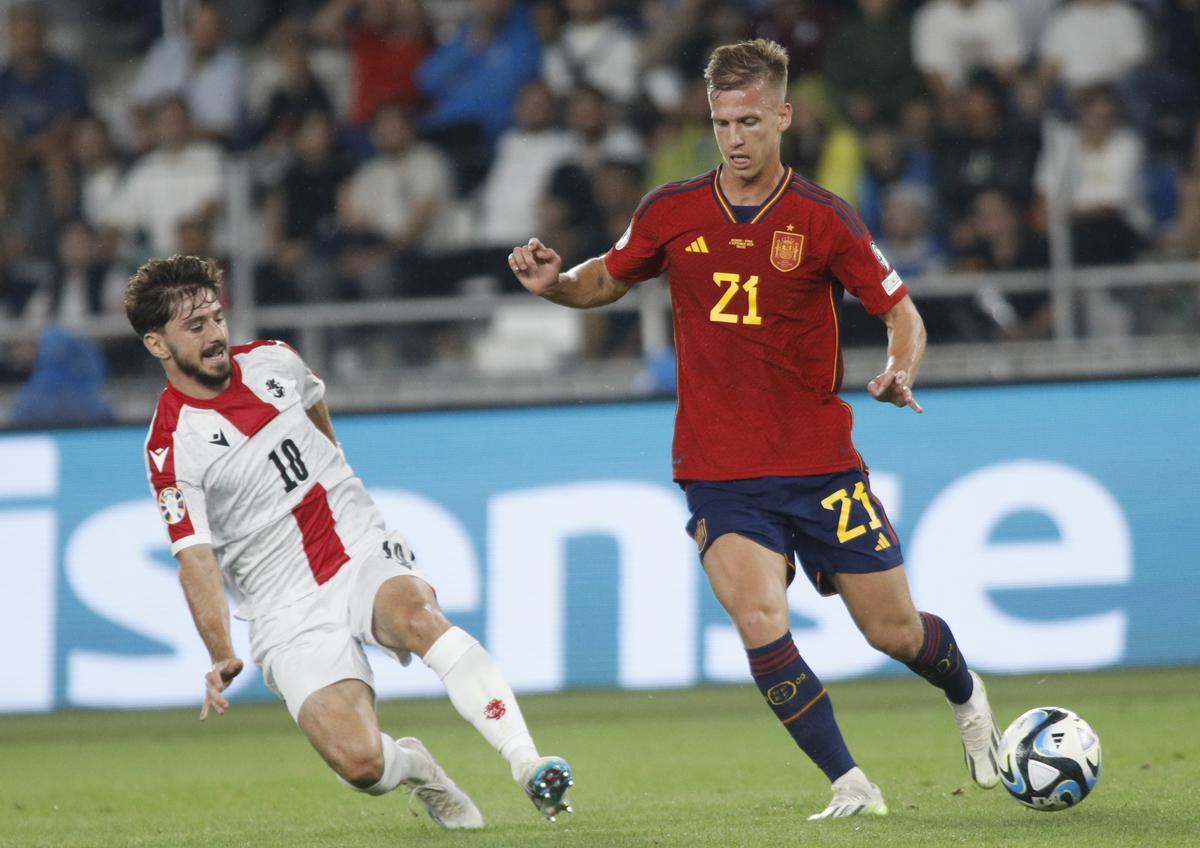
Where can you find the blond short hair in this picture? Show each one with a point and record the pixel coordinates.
(736, 66)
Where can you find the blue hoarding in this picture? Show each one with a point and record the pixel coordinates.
(1051, 525)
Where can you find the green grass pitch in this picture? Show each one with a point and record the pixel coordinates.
(700, 767)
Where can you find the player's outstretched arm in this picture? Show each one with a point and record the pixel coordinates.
(204, 589)
(906, 346)
(588, 284)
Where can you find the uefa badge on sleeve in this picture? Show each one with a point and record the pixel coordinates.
(170, 502)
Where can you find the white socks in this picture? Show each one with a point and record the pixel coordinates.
(481, 696)
(398, 765)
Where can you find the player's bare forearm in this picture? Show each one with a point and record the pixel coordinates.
(587, 285)
(906, 338)
(200, 576)
(906, 346)
(318, 414)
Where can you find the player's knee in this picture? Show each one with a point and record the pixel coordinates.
(899, 640)
(759, 625)
(418, 624)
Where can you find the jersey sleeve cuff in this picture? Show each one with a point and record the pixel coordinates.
(190, 542)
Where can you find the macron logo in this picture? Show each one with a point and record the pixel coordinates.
(159, 456)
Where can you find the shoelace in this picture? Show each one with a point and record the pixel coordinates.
(437, 792)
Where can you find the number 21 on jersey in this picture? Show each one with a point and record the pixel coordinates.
(733, 284)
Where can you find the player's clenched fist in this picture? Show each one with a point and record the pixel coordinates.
(218, 678)
(535, 265)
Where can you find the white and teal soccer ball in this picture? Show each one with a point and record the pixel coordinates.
(1049, 758)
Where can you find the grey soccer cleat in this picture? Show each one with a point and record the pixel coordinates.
(980, 736)
(853, 795)
(546, 783)
(446, 804)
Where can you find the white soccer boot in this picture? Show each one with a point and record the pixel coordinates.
(980, 736)
(853, 795)
(446, 804)
(546, 783)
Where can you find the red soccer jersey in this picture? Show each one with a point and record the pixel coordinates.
(756, 322)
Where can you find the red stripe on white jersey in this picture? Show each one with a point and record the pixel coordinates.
(237, 404)
(322, 545)
(160, 449)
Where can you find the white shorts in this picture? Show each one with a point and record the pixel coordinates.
(318, 640)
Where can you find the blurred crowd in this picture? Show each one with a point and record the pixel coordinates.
(399, 148)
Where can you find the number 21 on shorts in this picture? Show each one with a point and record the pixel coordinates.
(843, 502)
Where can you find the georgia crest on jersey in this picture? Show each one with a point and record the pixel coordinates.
(249, 473)
(755, 293)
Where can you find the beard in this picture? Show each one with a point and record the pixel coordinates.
(213, 379)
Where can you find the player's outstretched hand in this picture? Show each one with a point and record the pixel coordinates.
(219, 677)
(892, 387)
(535, 265)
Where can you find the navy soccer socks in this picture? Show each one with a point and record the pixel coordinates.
(939, 661)
(801, 704)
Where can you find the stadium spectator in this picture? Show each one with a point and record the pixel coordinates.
(99, 173)
(952, 38)
(84, 285)
(297, 91)
(1090, 42)
(675, 32)
(26, 222)
(301, 216)
(595, 49)
(819, 144)
(387, 40)
(199, 66)
(395, 209)
(66, 386)
(986, 147)
(682, 145)
(869, 63)
(40, 94)
(599, 134)
(473, 81)
(888, 160)
(1098, 167)
(314, 605)
(1182, 238)
(1004, 242)
(803, 27)
(907, 237)
(526, 158)
(179, 179)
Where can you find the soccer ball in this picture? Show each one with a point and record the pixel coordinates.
(1049, 758)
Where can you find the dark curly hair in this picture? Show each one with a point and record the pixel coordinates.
(155, 292)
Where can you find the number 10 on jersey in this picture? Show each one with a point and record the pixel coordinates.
(733, 284)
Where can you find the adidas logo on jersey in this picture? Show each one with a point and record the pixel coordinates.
(697, 246)
(882, 544)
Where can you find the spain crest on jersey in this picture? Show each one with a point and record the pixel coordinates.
(786, 250)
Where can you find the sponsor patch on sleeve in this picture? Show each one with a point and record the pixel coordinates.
(892, 282)
(170, 502)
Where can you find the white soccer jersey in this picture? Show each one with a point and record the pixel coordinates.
(250, 474)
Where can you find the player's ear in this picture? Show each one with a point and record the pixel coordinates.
(785, 116)
(156, 344)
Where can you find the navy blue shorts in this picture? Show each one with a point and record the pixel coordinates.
(832, 522)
